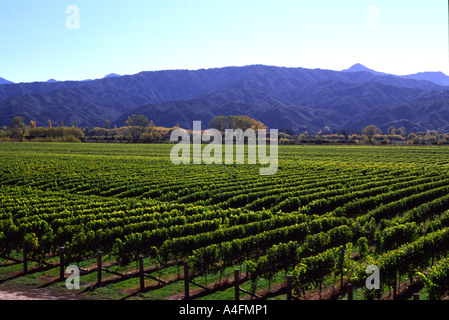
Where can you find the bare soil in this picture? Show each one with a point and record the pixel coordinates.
(34, 294)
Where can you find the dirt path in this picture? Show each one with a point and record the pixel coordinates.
(15, 296)
(34, 294)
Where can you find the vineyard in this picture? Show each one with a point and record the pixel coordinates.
(328, 214)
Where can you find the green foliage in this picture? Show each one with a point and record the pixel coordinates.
(392, 237)
(362, 246)
(222, 123)
(311, 272)
(324, 205)
(56, 134)
(437, 279)
(136, 125)
(18, 128)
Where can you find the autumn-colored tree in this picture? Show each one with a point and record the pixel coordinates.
(391, 130)
(49, 124)
(401, 131)
(222, 123)
(32, 124)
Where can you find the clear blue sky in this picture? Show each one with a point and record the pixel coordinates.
(126, 37)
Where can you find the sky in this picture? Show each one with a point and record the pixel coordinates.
(88, 39)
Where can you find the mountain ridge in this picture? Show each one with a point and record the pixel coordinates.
(358, 67)
(299, 98)
(4, 81)
(436, 77)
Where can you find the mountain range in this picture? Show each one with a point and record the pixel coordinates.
(297, 98)
(4, 81)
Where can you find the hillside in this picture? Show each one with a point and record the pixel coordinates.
(4, 81)
(304, 107)
(302, 99)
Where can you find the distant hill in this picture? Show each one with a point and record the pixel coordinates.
(361, 68)
(111, 75)
(435, 77)
(428, 112)
(298, 98)
(304, 107)
(438, 78)
(4, 81)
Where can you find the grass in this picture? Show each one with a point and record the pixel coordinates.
(13, 279)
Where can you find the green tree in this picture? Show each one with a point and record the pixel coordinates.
(136, 126)
(369, 132)
(18, 128)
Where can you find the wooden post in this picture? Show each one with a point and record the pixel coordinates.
(397, 282)
(25, 259)
(350, 291)
(99, 266)
(342, 257)
(61, 263)
(237, 283)
(289, 287)
(416, 296)
(142, 280)
(186, 281)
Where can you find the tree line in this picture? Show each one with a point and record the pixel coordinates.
(139, 129)
(19, 131)
(370, 135)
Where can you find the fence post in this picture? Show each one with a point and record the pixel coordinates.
(61, 263)
(99, 267)
(350, 291)
(289, 287)
(142, 280)
(186, 281)
(237, 283)
(25, 261)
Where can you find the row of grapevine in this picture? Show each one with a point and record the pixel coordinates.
(130, 200)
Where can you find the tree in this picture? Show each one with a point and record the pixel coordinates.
(287, 130)
(137, 125)
(49, 124)
(401, 131)
(18, 128)
(412, 136)
(221, 123)
(108, 125)
(391, 130)
(369, 132)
